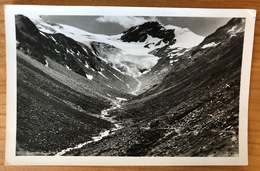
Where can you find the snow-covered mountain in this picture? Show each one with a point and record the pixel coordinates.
(74, 56)
(126, 58)
(123, 52)
(155, 35)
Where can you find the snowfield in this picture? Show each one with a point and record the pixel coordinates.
(212, 44)
(90, 77)
(184, 34)
(128, 58)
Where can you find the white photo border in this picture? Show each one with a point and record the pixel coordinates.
(12, 159)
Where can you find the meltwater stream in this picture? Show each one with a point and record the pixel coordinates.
(104, 115)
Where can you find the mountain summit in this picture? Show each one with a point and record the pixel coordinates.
(155, 35)
(154, 29)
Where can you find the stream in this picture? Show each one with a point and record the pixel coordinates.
(116, 103)
(104, 115)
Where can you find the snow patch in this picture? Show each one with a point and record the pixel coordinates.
(232, 29)
(180, 54)
(175, 50)
(90, 77)
(176, 60)
(69, 51)
(86, 64)
(47, 64)
(212, 44)
(121, 99)
(102, 75)
(68, 67)
(118, 77)
(53, 38)
(145, 72)
(57, 51)
(237, 28)
(43, 34)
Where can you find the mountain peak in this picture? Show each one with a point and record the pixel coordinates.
(154, 29)
(25, 24)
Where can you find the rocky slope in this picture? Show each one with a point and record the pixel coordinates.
(52, 115)
(193, 111)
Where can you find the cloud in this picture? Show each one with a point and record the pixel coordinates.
(125, 21)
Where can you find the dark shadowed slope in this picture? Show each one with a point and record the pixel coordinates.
(51, 115)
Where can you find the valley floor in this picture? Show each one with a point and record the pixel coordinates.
(193, 121)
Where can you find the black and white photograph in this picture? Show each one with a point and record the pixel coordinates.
(127, 85)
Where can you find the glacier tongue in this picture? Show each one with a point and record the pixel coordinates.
(133, 65)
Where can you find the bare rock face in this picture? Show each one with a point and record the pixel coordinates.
(154, 29)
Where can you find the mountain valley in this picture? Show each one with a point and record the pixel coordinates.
(153, 90)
